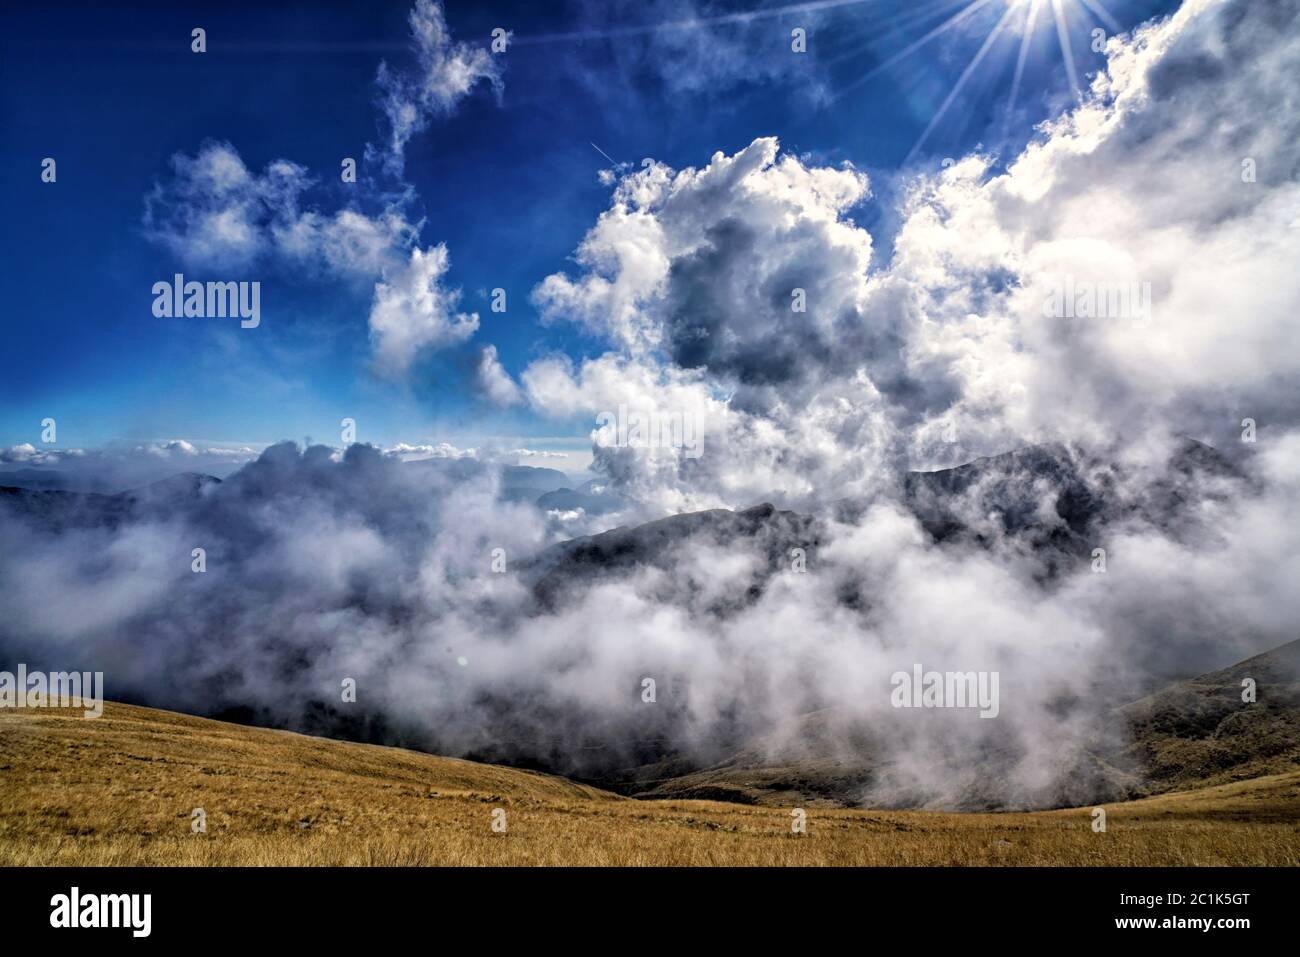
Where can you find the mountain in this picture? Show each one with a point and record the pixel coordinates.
(42, 497)
(1055, 501)
(517, 483)
(53, 480)
(57, 510)
(583, 562)
(1029, 489)
(1050, 500)
(1200, 731)
(594, 497)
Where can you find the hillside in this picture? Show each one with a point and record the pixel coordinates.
(120, 790)
(1190, 734)
(1198, 731)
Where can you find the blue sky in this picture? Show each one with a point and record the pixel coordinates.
(507, 179)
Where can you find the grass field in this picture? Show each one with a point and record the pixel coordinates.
(121, 790)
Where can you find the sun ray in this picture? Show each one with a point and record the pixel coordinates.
(916, 15)
(961, 82)
(912, 47)
(1031, 21)
(1102, 14)
(1063, 38)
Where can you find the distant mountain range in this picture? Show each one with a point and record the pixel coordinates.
(62, 499)
(57, 509)
(1053, 501)
(1049, 501)
(53, 479)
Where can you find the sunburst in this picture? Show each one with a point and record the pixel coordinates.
(1028, 18)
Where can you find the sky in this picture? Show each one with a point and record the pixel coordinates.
(507, 160)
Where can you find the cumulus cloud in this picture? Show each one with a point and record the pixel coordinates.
(1114, 195)
(23, 452)
(406, 452)
(176, 449)
(739, 294)
(758, 223)
(216, 213)
(445, 72)
(413, 311)
(495, 382)
(945, 351)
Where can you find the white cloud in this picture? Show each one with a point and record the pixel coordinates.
(747, 229)
(215, 213)
(174, 447)
(495, 381)
(25, 452)
(445, 73)
(689, 276)
(697, 276)
(348, 243)
(124, 466)
(412, 312)
(708, 264)
(537, 454)
(415, 453)
(1142, 184)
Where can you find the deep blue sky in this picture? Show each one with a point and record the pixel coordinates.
(112, 92)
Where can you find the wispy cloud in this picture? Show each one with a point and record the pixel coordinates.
(445, 72)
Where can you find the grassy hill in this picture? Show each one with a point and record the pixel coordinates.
(121, 790)
(1198, 732)
(1190, 734)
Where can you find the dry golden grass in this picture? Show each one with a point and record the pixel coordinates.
(119, 790)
